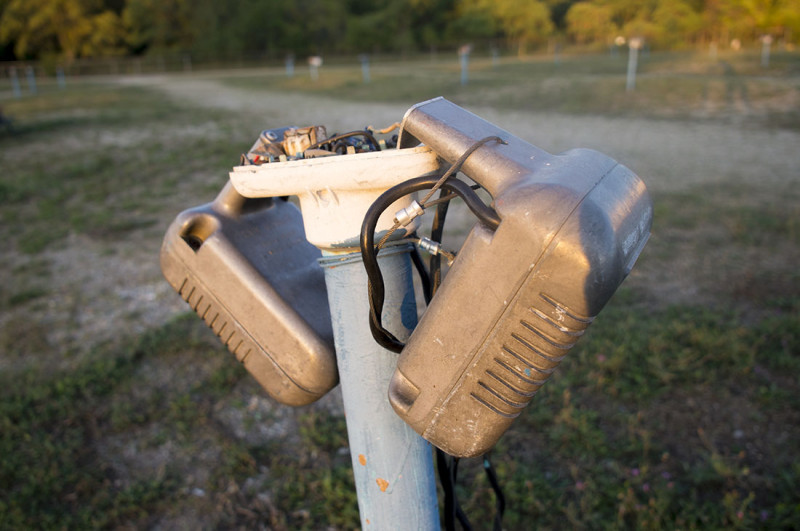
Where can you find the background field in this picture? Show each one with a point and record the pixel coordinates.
(680, 407)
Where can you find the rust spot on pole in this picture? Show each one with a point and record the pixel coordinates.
(362, 459)
(382, 484)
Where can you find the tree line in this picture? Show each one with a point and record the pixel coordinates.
(70, 29)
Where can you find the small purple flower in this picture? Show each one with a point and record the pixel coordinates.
(580, 485)
(601, 358)
(634, 472)
(764, 516)
(646, 487)
(666, 475)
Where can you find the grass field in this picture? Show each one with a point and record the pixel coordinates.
(679, 409)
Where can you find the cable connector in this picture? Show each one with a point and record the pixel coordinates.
(407, 215)
(435, 248)
(430, 246)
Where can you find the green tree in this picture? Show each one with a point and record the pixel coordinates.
(70, 28)
(790, 18)
(588, 22)
(402, 25)
(522, 21)
(472, 21)
(676, 24)
(159, 24)
(432, 22)
(665, 23)
(770, 16)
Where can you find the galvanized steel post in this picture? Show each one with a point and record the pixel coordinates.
(392, 465)
(15, 82)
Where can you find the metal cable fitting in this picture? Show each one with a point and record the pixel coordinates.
(407, 215)
(430, 246)
(435, 249)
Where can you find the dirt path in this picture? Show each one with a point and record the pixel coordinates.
(669, 155)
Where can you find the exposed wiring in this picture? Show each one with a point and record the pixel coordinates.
(498, 493)
(385, 130)
(437, 232)
(335, 138)
(369, 251)
(452, 170)
(425, 278)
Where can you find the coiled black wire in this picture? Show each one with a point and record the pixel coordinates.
(485, 214)
(447, 465)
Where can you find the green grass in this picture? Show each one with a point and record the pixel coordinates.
(636, 429)
(64, 186)
(593, 449)
(666, 415)
(50, 476)
(669, 85)
(55, 472)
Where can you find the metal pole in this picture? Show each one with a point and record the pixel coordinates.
(633, 56)
(364, 58)
(31, 75)
(392, 465)
(766, 41)
(15, 83)
(290, 65)
(463, 55)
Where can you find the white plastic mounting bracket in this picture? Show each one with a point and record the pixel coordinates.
(335, 192)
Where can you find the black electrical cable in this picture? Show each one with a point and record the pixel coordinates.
(498, 493)
(424, 277)
(437, 232)
(445, 198)
(456, 166)
(460, 515)
(446, 479)
(369, 254)
(447, 465)
(452, 509)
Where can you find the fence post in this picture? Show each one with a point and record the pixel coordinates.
(314, 62)
(633, 58)
(290, 65)
(31, 76)
(364, 58)
(463, 55)
(15, 82)
(766, 42)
